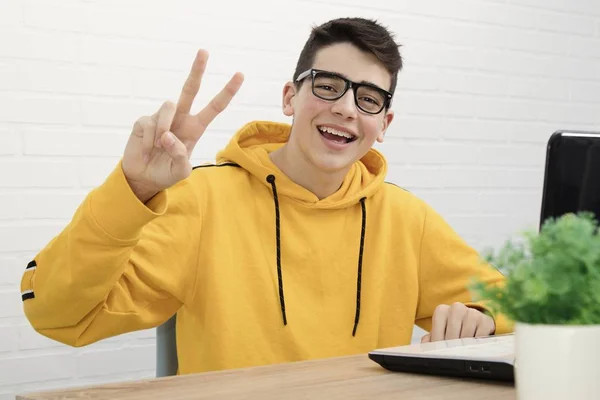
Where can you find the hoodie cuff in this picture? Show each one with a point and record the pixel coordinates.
(503, 324)
(118, 211)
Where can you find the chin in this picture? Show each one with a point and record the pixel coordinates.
(331, 164)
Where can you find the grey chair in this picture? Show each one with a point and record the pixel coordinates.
(166, 349)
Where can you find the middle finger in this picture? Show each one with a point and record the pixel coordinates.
(455, 319)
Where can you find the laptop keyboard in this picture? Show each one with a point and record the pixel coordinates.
(500, 348)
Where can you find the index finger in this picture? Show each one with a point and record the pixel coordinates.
(192, 83)
(439, 322)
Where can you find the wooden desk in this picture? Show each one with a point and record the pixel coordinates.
(344, 378)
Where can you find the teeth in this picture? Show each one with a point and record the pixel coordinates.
(335, 132)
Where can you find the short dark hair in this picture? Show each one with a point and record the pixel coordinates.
(368, 35)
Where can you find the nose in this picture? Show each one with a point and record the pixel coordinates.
(345, 106)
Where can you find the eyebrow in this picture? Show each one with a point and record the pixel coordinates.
(361, 82)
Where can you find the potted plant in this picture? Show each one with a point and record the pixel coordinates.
(552, 294)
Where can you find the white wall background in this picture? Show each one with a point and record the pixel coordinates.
(485, 84)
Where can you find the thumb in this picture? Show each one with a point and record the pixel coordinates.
(426, 338)
(180, 167)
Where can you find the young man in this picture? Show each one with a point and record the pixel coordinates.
(292, 247)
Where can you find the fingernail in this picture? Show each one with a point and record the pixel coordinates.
(169, 139)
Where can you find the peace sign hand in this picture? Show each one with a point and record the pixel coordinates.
(159, 148)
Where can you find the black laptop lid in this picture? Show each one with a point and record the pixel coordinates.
(572, 175)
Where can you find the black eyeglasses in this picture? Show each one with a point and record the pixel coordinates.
(331, 86)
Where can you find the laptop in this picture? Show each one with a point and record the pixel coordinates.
(571, 184)
(572, 174)
(490, 357)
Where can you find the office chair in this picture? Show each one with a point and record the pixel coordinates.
(166, 349)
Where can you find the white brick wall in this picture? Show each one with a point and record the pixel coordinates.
(485, 84)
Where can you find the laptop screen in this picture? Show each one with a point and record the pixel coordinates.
(572, 181)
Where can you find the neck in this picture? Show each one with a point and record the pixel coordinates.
(302, 172)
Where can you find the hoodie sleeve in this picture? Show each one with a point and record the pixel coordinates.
(447, 265)
(117, 267)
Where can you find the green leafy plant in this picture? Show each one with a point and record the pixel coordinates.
(552, 276)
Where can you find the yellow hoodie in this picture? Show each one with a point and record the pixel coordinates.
(257, 268)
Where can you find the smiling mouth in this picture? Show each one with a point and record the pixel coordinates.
(336, 136)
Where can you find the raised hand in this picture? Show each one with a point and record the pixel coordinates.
(158, 151)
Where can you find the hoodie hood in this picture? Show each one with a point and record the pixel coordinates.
(250, 148)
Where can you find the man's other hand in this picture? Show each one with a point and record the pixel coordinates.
(458, 321)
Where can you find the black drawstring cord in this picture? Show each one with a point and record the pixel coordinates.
(271, 180)
(360, 259)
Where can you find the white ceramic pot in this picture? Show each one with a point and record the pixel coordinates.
(557, 362)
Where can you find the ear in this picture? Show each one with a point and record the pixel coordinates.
(385, 123)
(289, 92)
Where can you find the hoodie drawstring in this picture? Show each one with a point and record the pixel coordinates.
(271, 180)
(360, 260)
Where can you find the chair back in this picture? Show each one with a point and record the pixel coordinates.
(166, 349)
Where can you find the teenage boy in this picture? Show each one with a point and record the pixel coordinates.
(291, 247)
